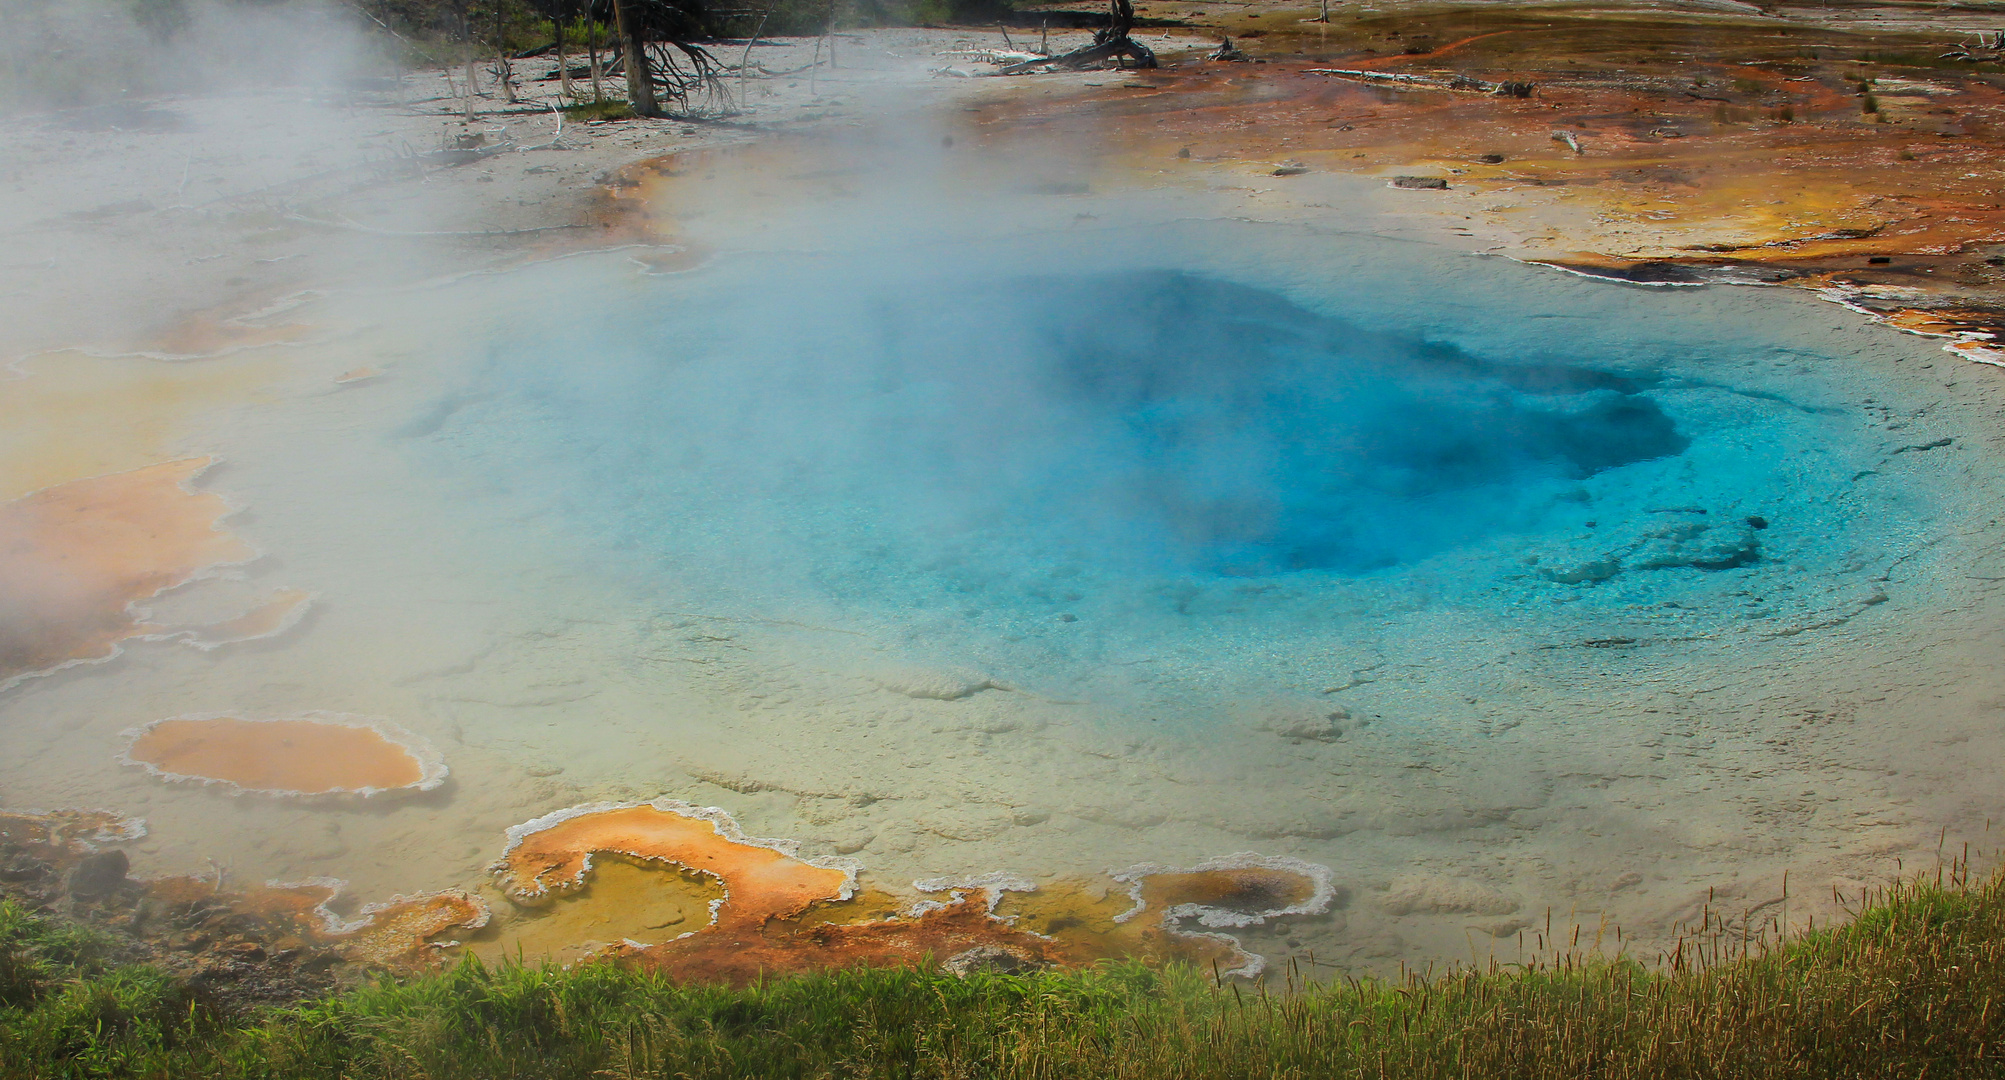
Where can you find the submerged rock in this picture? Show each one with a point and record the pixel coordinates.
(1700, 545)
(1692, 539)
(1319, 726)
(1444, 896)
(934, 684)
(1591, 568)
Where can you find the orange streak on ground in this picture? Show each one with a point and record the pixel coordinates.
(1943, 322)
(402, 929)
(1367, 65)
(74, 557)
(292, 756)
(760, 926)
(1783, 164)
(1064, 924)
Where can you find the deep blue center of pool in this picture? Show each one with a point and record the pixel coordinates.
(1254, 437)
(1150, 422)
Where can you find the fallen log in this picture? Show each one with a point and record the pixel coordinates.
(1462, 83)
(1109, 43)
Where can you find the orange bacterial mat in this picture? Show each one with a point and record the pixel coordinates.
(290, 756)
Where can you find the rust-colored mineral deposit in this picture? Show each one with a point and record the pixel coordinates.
(954, 930)
(781, 912)
(624, 901)
(60, 837)
(1228, 892)
(308, 754)
(400, 930)
(768, 888)
(764, 879)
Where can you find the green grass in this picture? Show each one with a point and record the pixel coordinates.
(608, 109)
(1930, 59)
(1911, 988)
(69, 1008)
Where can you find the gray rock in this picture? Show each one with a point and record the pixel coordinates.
(1696, 544)
(990, 960)
(1580, 570)
(97, 875)
(1692, 540)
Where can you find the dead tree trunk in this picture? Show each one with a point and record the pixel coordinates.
(563, 62)
(1110, 43)
(504, 73)
(640, 81)
(592, 45)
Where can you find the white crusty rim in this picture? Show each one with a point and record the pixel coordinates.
(196, 636)
(992, 884)
(432, 769)
(1251, 964)
(334, 926)
(1320, 876)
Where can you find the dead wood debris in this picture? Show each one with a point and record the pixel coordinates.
(1987, 49)
(1109, 43)
(1462, 83)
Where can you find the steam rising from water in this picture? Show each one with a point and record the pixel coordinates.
(1144, 421)
(101, 53)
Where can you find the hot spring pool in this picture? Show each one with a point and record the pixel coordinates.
(1070, 541)
(1170, 486)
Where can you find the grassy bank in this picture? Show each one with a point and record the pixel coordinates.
(1908, 989)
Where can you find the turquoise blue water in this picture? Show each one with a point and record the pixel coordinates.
(1225, 453)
